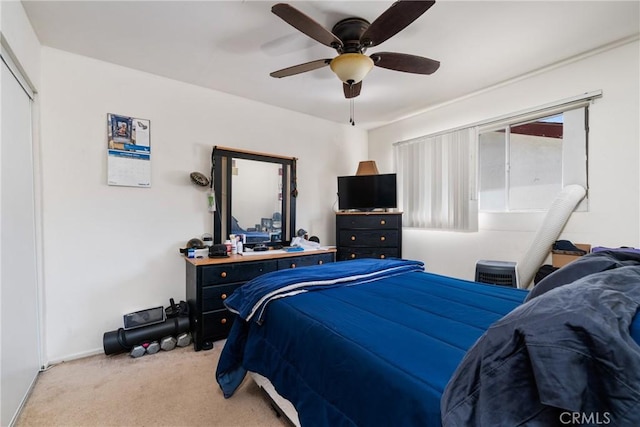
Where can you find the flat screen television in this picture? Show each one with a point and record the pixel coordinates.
(367, 192)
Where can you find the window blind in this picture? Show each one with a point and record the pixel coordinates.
(436, 181)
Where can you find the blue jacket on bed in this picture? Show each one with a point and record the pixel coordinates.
(565, 357)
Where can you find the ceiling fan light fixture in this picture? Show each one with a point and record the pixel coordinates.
(351, 68)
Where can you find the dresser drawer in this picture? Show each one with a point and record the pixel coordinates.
(368, 238)
(368, 221)
(239, 272)
(216, 324)
(304, 261)
(346, 254)
(213, 296)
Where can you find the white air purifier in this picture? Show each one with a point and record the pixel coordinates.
(496, 272)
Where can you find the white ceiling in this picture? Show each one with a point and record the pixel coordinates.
(232, 46)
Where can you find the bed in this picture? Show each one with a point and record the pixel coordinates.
(371, 342)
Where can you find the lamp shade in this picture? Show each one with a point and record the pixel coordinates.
(367, 167)
(351, 68)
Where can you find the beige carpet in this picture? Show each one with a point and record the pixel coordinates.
(173, 388)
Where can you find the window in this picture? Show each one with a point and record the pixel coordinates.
(523, 165)
(523, 160)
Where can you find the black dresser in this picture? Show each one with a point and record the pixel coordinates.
(211, 280)
(368, 235)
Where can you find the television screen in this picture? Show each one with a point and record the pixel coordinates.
(366, 192)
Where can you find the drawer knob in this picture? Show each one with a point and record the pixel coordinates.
(223, 320)
(353, 237)
(223, 274)
(382, 238)
(383, 222)
(382, 257)
(320, 262)
(293, 265)
(223, 296)
(353, 255)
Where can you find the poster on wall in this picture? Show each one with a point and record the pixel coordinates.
(129, 151)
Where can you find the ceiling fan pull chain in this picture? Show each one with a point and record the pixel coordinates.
(352, 112)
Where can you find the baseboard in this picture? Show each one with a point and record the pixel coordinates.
(73, 356)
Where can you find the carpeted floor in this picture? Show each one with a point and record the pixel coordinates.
(174, 388)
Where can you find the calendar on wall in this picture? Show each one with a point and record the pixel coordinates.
(129, 151)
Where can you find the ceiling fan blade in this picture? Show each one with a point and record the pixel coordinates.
(393, 20)
(405, 62)
(301, 68)
(351, 91)
(305, 24)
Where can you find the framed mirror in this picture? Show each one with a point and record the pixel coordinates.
(255, 196)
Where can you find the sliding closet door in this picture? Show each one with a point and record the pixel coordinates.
(18, 287)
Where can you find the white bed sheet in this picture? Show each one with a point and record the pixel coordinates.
(285, 406)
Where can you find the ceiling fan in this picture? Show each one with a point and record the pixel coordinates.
(351, 37)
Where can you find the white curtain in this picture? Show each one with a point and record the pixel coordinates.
(437, 180)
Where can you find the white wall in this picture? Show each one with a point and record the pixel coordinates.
(110, 250)
(614, 195)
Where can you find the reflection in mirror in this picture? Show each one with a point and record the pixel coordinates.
(255, 196)
(257, 200)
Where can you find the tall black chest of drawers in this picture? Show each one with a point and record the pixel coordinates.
(368, 235)
(210, 281)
